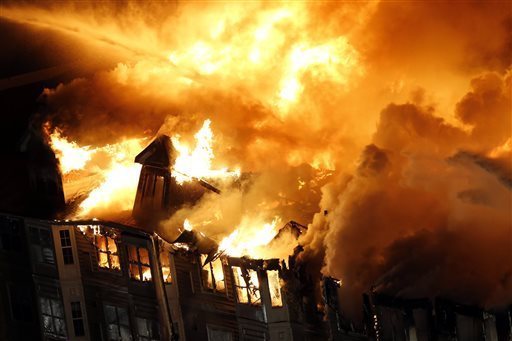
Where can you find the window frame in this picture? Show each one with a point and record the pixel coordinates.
(118, 321)
(165, 253)
(149, 327)
(37, 245)
(11, 235)
(107, 252)
(77, 319)
(52, 317)
(138, 263)
(246, 286)
(279, 288)
(210, 269)
(66, 245)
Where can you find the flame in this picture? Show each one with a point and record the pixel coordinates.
(503, 150)
(112, 164)
(198, 163)
(250, 238)
(187, 225)
(71, 156)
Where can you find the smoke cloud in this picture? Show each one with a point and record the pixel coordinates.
(385, 126)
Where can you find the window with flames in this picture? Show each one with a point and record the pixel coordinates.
(274, 286)
(212, 275)
(140, 267)
(165, 262)
(106, 251)
(247, 285)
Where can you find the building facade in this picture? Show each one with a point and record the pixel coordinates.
(97, 280)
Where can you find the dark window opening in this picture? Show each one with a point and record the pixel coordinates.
(147, 330)
(10, 235)
(52, 315)
(20, 297)
(78, 320)
(67, 249)
(118, 323)
(42, 246)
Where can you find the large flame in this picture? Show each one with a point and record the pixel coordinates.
(115, 174)
(250, 238)
(197, 164)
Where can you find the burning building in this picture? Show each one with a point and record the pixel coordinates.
(384, 127)
(89, 279)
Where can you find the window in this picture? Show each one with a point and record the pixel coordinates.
(106, 248)
(217, 334)
(165, 261)
(10, 234)
(53, 317)
(41, 244)
(67, 249)
(140, 268)
(212, 275)
(118, 323)
(153, 190)
(20, 297)
(147, 330)
(247, 285)
(78, 320)
(274, 286)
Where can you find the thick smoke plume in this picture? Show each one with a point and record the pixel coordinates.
(391, 121)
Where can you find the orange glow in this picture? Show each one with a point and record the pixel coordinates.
(187, 225)
(250, 238)
(502, 150)
(71, 156)
(113, 164)
(274, 285)
(197, 164)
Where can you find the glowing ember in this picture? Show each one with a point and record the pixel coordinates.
(198, 163)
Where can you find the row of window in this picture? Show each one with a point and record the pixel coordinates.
(52, 315)
(246, 282)
(116, 320)
(212, 273)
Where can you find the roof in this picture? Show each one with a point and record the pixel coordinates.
(158, 153)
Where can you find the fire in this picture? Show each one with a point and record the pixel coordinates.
(112, 164)
(187, 225)
(197, 164)
(71, 156)
(330, 61)
(250, 238)
(503, 150)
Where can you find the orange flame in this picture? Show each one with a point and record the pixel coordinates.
(198, 163)
(113, 164)
(250, 238)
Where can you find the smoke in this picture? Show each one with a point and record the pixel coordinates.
(386, 126)
(422, 216)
